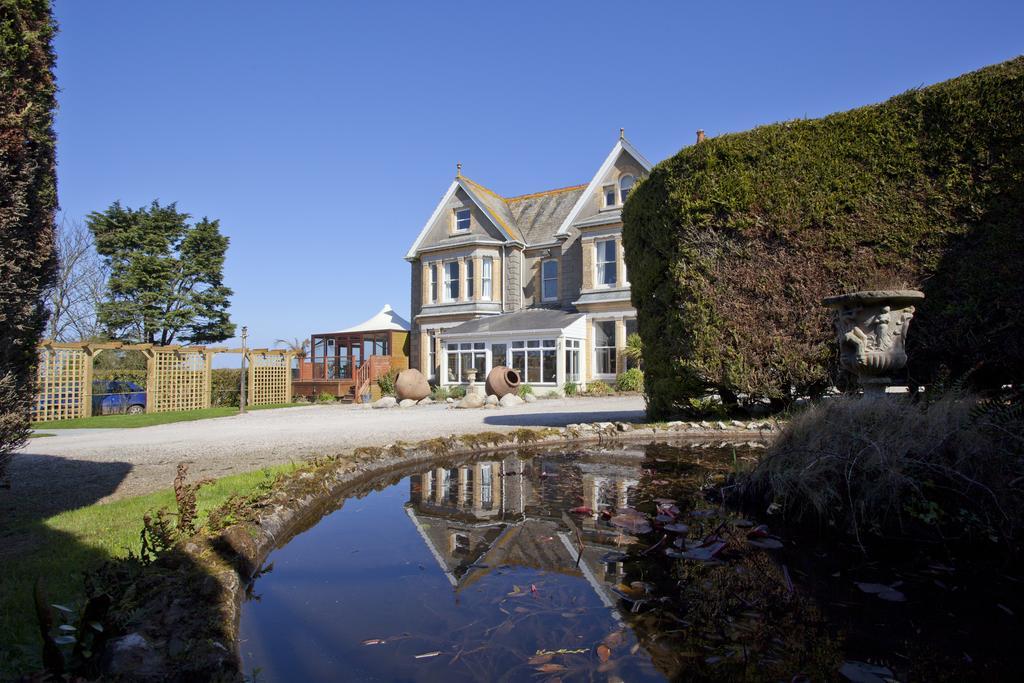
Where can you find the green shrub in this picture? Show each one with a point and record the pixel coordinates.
(28, 195)
(325, 397)
(440, 393)
(386, 382)
(552, 394)
(571, 388)
(225, 383)
(891, 466)
(524, 389)
(457, 391)
(732, 243)
(598, 388)
(630, 380)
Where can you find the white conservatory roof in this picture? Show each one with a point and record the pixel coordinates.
(386, 319)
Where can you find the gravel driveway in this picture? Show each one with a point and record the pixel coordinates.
(82, 466)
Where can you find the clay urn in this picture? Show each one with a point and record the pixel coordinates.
(871, 328)
(411, 384)
(502, 380)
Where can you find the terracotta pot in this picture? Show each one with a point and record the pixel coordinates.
(502, 380)
(411, 384)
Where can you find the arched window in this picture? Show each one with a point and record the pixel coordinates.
(625, 185)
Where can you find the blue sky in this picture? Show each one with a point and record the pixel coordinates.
(322, 134)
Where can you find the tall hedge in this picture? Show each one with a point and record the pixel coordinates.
(732, 243)
(28, 202)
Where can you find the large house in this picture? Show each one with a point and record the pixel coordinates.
(536, 282)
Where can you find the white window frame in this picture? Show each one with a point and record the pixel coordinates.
(573, 358)
(470, 274)
(457, 220)
(624, 192)
(609, 192)
(598, 262)
(449, 280)
(432, 353)
(544, 280)
(614, 350)
(486, 278)
(432, 283)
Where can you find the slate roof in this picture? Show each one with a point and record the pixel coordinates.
(530, 218)
(528, 319)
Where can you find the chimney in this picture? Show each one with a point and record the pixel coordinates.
(700, 136)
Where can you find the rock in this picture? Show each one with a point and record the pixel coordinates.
(604, 426)
(705, 425)
(721, 425)
(407, 403)
(676, 424)
(491, 400)
(509, 400)
(623, 426)
(426, 401)
(471, 401)
(530, 398)
(737, 423)
(449, 400)
(385, 402)
(132, 656)
(412, 384)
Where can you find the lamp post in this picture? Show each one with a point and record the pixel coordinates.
(241, 396)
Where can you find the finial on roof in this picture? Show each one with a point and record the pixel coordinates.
(700, 135)
(622, 133)
(458, 170)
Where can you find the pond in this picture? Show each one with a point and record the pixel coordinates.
(602, 564)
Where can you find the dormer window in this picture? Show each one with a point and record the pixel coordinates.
(462, 220)
(609, 195)
(625, 185)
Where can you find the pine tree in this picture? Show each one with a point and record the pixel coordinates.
(166, 275)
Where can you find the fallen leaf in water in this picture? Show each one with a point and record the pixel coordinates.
(374, 641)
(765, 543)
(426, 655)
(604, 653)
(703, 553)
(582, 510)
(614, 639)
(550, 668)
(758, 531)
(677, 527)
(892, 595)
(539, 659)
(872, 587)
(861, 672)
(521, 610)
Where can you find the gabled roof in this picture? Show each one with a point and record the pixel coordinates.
(386, 319)
(490, 203)
(623, 145)
(536, 218)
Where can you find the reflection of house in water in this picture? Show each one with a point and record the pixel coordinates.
(511, 512)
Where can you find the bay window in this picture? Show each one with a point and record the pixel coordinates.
(451, 281)
(470, 274)
(486, 274)
(604, 347)
(605, 262)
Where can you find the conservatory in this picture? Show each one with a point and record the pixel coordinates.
(544, 345)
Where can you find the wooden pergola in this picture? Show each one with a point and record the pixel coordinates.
(177, 377)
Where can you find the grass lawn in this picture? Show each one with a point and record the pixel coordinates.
(60, 548)
(149, 419)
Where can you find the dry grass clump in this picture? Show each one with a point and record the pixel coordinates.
(893, 467)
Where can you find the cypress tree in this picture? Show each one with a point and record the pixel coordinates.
(28, 204)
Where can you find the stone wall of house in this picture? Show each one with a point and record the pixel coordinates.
(415, 306)
(513, 280)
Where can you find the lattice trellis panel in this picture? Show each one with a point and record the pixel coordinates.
(270, 378)
(178, 381)
(63, 377)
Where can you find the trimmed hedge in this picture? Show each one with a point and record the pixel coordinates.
(732, 243)
(28, 202)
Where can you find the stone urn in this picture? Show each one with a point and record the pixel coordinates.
(871, 328)
(473, 387)
(411, 384)
(502, 380)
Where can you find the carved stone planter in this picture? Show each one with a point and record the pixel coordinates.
(871, 328)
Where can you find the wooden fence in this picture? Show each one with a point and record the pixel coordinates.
(177, 377)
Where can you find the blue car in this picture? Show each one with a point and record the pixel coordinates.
(115, 397)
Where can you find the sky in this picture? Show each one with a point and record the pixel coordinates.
(322, 134)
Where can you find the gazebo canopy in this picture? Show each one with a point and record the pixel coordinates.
(385, 320)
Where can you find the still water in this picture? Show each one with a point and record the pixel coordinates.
(609, 565)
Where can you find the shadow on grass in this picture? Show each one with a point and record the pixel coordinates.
(32, 546)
